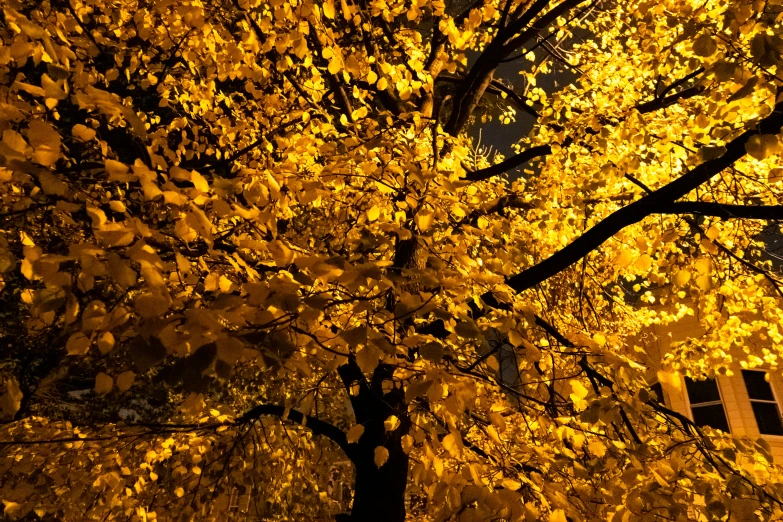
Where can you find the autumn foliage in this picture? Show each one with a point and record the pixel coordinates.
(244, 240)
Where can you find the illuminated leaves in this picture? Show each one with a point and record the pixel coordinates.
(670, 379)
(704, 45)
(77, 344)
(452, 443)
(578, 394)
(762, 146)
(83, 133)
(239, 207)
(354, 433)
(10, 398)
(381, 455)
(125, 381)
(558, 515)
(103, 383)
(373, 213)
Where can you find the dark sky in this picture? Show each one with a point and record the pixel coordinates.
(502, 137)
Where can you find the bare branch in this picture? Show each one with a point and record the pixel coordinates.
(723, 211)
(317, 426)
(509, 164)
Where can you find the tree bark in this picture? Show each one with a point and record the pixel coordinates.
(379, 493)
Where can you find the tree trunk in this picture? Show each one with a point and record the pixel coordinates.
(379, 493)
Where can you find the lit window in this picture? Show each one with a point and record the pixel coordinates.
(706, 405)
(762, 400)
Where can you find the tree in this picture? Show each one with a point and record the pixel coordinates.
(278, 213)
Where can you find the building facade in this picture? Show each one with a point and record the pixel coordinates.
(745, 404)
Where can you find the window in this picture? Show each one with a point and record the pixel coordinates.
(706, 405)
(233, 500)
(762, 400)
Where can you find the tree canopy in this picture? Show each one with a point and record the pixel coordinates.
(243, 239)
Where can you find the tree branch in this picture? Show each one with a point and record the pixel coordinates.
(641, 208)
(480, 75)
(667, 101)
(685, 79)
(723, 211)
(497, 206)
(498, 88)
(509, 164)
(317, 426)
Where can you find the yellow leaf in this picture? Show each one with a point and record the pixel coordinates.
(352, 65)
(382, 84)
(423, 220)
(432, 351)
(579, 392)
(407, 443)
(50, 183)
(117, 206)
(179, 492)
(84, 133)
(103, 383)
(703, 265)
(282, 255)
(597, 448)
(623, 259)
(761, 146)
(121, 272)
(557, 515)
(775, 175)
(125, 381)
(77, 344)
(11, 509)
(453, 444)
(41, 133)
(670, 379)
(493, 435)
(184, 231)
(11, 399)
(199, 182)
(51, 89)
(354, 434)
(150, 305)
(511, 484)
(381, 456)
(117, 171)
(391, 423)
(493, 363)
(328, 7)
(532, 353)
(373, 213)
(704, 45)
(643, 263)
(681, 278)
(105, 342)
(334, 65)
(368, 358)
(14, 140)
(31, 89)
(193, 404)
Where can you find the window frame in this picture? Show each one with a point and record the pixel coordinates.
(776, 399)
(722, 403)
